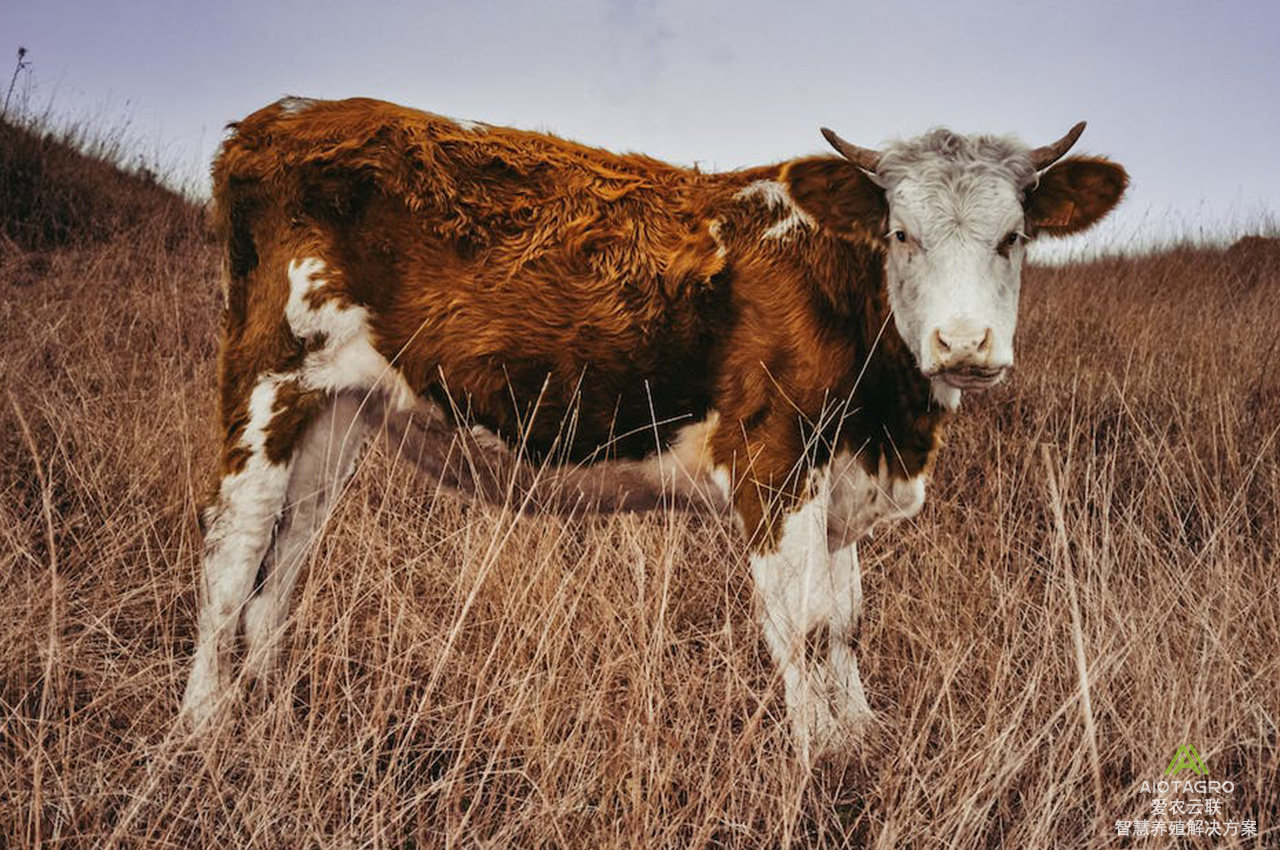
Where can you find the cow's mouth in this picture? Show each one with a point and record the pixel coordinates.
(972, 377)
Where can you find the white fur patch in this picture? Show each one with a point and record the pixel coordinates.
(860, 501)
(348, 359)
(714, 229)
(720, 479)
(240, 526)
(470, 126)
(945, 395)
(259, 481)
(685, 469)
(775, 196)
(295, 105)
(801, 587)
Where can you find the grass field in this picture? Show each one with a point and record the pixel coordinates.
(458, 676)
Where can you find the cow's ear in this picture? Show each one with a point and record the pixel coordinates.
(1073, 195)
(839, 195)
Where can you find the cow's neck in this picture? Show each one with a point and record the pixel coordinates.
(893, 417)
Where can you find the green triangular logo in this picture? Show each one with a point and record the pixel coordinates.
(1186, 757)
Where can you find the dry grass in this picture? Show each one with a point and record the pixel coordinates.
(460, 677)
(68, 186)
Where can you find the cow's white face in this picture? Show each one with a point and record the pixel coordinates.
(953, 269)
(956, 213)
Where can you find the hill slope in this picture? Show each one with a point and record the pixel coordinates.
(56, 194)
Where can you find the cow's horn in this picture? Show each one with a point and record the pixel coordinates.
(864, 158)
(1046, 156)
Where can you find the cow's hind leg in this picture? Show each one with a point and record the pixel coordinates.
(323, 461)
(256, 464)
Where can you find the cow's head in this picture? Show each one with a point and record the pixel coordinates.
(956, 213)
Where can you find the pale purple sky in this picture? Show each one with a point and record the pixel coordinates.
(1185, 93)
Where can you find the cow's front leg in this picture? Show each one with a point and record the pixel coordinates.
(844, 626)
(858, 500)
(809, 598)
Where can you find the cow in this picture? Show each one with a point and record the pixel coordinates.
(786, 341)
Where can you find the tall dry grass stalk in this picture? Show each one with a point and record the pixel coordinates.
(1038, 641)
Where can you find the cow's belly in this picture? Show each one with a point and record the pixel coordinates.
(563, 406)
(682, 474)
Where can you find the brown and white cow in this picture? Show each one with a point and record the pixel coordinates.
(788, 339)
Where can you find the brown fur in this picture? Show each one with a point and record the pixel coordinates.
(1074, 194)
(506, 271)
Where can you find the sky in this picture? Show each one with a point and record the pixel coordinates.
(1185, 94)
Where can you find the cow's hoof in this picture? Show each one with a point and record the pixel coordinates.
(202, 703)
(849, 731)
(823, 735)
(856, 742)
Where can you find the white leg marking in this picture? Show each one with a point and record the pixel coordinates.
(239, 532)
(802, 592)
(810, 590)
(323, 461)
(250, 501)
(848, 699)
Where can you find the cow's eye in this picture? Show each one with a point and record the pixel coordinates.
(900, 235)
(1012, 238)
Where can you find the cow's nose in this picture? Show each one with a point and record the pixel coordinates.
(960, 344)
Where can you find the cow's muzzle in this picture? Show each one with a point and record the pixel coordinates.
(971, 377)
(965, 355)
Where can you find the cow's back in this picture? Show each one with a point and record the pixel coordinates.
(500, 268)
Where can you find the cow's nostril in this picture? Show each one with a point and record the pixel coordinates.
(962, 343)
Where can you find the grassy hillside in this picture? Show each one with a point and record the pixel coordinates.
(459, 676)
(60, 188)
